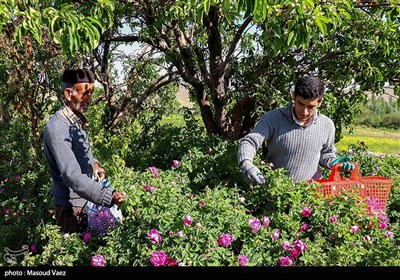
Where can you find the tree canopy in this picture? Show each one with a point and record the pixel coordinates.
(238, 58)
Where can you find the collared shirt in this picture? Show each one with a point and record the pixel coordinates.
(302, 123)
(80, 122)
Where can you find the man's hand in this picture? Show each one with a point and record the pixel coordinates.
(99, 173)
(251, 173)
(118, 198)
(346, 166)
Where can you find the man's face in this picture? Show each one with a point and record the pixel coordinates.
(79, 97)
(304, 109)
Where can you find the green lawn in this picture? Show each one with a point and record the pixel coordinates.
(377, 140)
(176, 120)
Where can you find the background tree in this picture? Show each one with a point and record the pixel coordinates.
(30, 83)
(237, 58)
(240, 58)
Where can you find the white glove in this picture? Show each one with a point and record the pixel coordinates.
(251, 173)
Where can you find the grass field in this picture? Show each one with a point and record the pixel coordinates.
(377, 140)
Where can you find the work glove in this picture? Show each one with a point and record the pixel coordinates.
(251, 173)
(346, 166)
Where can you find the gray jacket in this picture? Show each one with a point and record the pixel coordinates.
(70, 162)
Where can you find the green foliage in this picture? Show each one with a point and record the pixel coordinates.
(278, 42)
(378, 112)
(164, 143)
(24, 187)
(138, 138)
(299, 37)
(218, 210)
(206, 185)
(391, 121)
(342, 108)
(77, 28)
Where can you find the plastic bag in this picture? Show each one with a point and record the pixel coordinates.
(102, 218)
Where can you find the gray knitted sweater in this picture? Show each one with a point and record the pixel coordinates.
(297, 149)
(70, 162)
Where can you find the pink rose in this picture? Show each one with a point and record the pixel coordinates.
(188, 220)
(243, 260)
(86, 237)
(225, 239)
(276, 235)
(149, 188)
(304, 227)
(306, 212)
(389, 234)
(354, 229)
(175, 163)
(34, 249)
(286, 245)
(255, 224)
(294, 253)
(158, 258)
(154, 236)
(299, 245)
(285, 261)
(265, 221)
(153, 171)
(97, 260)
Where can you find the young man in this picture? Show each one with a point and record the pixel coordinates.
(298, 137)
(69, 157)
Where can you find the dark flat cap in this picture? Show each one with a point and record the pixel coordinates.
(78, 76)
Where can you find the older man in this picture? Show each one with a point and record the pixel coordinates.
(69, 157)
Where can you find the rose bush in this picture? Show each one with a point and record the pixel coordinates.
(276, 224)
(196, 210)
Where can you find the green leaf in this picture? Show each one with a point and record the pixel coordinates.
(321, 25)
(53, 23)
(291, 38)
(206, 5)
